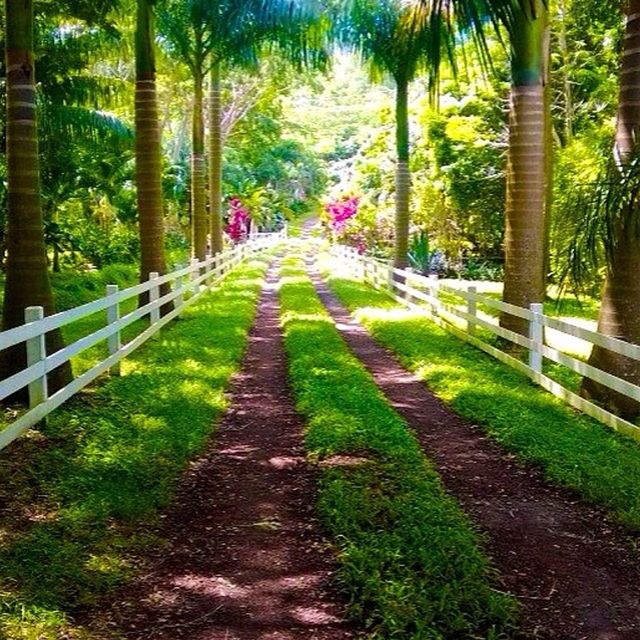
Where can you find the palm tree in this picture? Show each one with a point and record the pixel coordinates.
(530, 160)
(27, 276)
(184, 26)
(215, 158)
(395, 39)
(617, 215)
(528, 169)
(238, 31)
(148, 147)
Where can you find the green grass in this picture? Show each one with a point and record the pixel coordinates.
(410, 560)
(84, 493)
(573, 450)
(556, 304)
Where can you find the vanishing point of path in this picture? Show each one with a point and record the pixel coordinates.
(245, 559)
(575, 573)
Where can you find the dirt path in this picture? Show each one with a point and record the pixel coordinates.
(575, 573)
(245, 560)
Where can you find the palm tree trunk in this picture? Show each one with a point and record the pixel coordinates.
(27, 275)
(215, 160)
(620, 307)
(148, 149)
(198, 188)
(526, 210)
(403, 175)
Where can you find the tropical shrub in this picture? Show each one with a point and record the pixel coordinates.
(239, 220)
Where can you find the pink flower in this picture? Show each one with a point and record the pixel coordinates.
(341, 211)
(239, 220)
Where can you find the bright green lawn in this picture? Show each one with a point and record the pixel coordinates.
(410, 561)
(82, 495)
(573, 450)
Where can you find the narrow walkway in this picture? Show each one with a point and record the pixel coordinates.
(245, 559)
(574, 573)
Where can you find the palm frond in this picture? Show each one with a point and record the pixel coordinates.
(603, 213)
(82, 122)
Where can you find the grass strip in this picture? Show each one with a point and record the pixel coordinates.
(572, 449)
(84, 494)
(410, 561)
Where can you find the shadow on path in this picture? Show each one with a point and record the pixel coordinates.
(245, 559)
(574, 572)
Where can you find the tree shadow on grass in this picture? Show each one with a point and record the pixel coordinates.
(106, 462)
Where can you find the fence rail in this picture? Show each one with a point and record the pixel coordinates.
(424, 294)
(185, 286)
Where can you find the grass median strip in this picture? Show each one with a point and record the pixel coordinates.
(573, 450)
(80, 498)
(410, 560)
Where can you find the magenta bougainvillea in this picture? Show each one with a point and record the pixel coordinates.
(239, 220)
(342, 210)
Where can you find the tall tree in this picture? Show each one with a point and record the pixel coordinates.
(148, 146)
(529, 162)
(27, 276)
(185, 27)
(215, 158)
(395, 39)
(528, 170)
(620, 307)
(238, 31)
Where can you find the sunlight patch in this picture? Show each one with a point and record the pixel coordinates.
(376, 314)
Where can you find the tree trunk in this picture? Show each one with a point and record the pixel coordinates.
(148, 150)
(215, 160)
(620, 307)
(526, 209)
(549, 155)
(403, 175)
(198, 189)
(567, 90)
(27, 275)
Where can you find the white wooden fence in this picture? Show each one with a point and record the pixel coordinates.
(423, 294)
(185, 287)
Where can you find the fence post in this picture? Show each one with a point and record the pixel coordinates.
(391, 281)
(195, 274)
(471, 308)
(114, 341)
(536, 333)
(433, 290)
(36, 353)
(178, 286)
(208, 269)
(154, 296)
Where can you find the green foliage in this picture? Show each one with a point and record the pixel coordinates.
(419, 253)
(478, 269)
(573, 450)
(459, 164)
(73, 289)
(116, 243)
(409, 559)
(585, 67)
(264, 162)
(111, 461)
